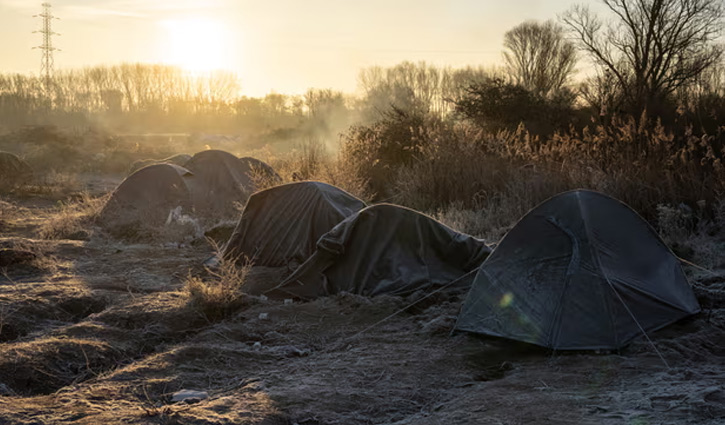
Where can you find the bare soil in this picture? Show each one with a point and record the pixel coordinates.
(99, 331)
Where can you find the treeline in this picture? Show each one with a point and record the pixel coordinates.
(159, 98)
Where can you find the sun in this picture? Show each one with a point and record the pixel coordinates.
(196, 44)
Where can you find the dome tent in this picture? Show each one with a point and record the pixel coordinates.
(385, 249)
(281, 225)
(581, 271)
(147, 197)
(222, 180)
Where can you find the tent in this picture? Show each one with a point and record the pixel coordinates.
(385, 249)
(281, 225)
(178, 159)
(222, 180)
(13, 170)
(254, 168)
(580, 271)
(147, 196)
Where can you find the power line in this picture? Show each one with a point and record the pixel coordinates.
(47, 49)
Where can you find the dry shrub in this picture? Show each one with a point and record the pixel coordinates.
(338, 173)
(642, 165)
(491, 215)
(302, 162)
(55, 182)
(73, 220)
(689, 232)
(458, 170)
(218, 297)
(376, 152)
(311, 160)
(511, 172)
(308, 159)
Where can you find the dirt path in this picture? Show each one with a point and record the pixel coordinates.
(106, 335)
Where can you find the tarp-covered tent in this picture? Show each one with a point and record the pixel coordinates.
(580, 271)
(281, 225)
(221, 180)
(147, 196)
(385, 249)
(13, 170)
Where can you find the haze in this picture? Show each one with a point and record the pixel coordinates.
(284, 46)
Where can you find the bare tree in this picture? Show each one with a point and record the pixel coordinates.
(652, 47)
(407, 86)
(539, 57)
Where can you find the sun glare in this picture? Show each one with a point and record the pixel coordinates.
(195, 44)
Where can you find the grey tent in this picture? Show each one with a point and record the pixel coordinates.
(385, 249)
(13, 170)
(147, 197)
(221, 180)
(256, 169)
(580, 271)
(281, 225)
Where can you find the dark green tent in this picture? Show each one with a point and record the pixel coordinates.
(385, 249)
(580, 271)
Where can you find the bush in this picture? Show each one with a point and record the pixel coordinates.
(640, 165)
(500, 177)
(221, 295)
(375, 153)
(495, 105)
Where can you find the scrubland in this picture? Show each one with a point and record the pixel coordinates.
(99, 329)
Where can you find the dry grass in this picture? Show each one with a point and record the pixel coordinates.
(51, 183)
(73, 220)
(217, 297)
(499, 177)
(9, 210)
(644, 166)
(693, 235)
(312, 160)
(27, 258)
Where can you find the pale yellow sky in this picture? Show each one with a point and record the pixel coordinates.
(281, 45)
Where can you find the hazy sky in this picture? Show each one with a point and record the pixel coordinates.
(282, 45)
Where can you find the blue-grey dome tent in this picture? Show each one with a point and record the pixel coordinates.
(581, 271)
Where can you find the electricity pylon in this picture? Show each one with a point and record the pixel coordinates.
(47, 49)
